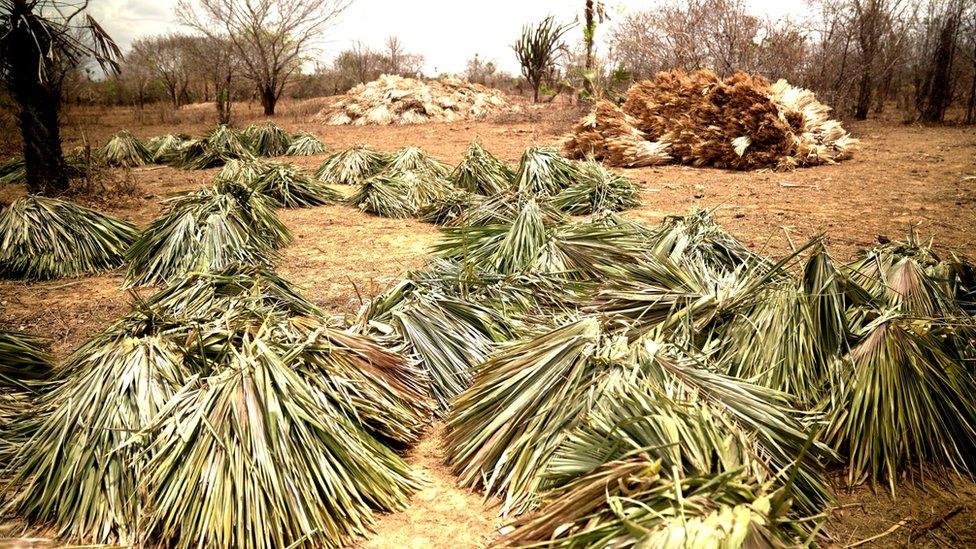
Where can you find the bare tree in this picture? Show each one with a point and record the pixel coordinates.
(937, 89)
(217, 61)
(168, 59)
(270, 36)
(396, 59)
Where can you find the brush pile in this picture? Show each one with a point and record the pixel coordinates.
(43, 238)
(393, 99)
(741, 122)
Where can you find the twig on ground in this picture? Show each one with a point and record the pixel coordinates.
(887, 532)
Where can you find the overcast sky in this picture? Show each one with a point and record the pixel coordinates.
(447, 33)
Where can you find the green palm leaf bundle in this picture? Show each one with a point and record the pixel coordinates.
(416, 160)
(166, 148)
(215, 149)
(596, 189)
(352, 166)
(305, 144)
(482, 173)
(13, 171)
(636, 502)
(126, 151)
(22, 359)
(244, 171)
(222, 398)
(291, 187)
(446, 336)
(266, 139)
(449, 208)
(207, 230)
(425, 188)
(901, 400)
(43, 238)
(385, 195)
(503, 208)
(696, 239)
(535, 242)
(543, 172)
(522, 402)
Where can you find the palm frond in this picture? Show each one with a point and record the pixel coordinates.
(207, 230)
(449, 208)
(13, 171)
(543, 172)
(305, 144)
(244, 171)
(22, 359)
(266, 139)
(125, 150)
(597, 189)
(352, 166)
(215, 149)
(42, 238)
(481, 173)
(291, 187)
(166, 148)
(415, 159)
(384, 195)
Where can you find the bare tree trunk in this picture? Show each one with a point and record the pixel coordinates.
(268, 100)
(40, 106)
(971, 102)
(588, 33)
(223, 101)
(863, 95)
(939, 95)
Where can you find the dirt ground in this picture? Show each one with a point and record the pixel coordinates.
(904, 176)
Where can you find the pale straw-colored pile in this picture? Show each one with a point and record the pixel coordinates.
(396, 100)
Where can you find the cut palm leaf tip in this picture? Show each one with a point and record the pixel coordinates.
(43, 238)
(220, 390)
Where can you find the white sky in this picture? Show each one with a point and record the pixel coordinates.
(447, 33)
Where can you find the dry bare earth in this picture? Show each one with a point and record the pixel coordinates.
(904, 175)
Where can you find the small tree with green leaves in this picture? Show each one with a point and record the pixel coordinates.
(538, 50)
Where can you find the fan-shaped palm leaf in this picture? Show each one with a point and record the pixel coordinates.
(481, 173)
(352, 166)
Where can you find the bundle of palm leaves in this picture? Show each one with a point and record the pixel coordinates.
(126, 151)
(244, 171)
(416, 160)
(385, 195)
(291, 187)
(450, 208)
(214, 149)
(220, 397)
(42, 238)
(207, 230)
(266, 139)
(352, 166)
(596, 189)
(480, 172)
(543, 172)
(305, 144)
(164, 149)
(425, 188)
(24, 364)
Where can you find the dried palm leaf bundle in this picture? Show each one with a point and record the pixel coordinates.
(449, 208)
(206, 401)
(740, 122)
(446, 335)
(305, 144)
(416, 160)
(165, 149)
(608, 134)
(635, 502)
(207, 230)
(385, 195)
(597, 189)
(13, 171)
(425, 189)
(43, 238)
(266, 139)
(503, 208)
(482, 173)
(244, 171)
(352, 166)
(695, 239)
(791, 335)
(392, 99)
(902, 400)
(543, 172)
(499, 440)
(215, 149)
(126, 151)
(291, 187)
(22, 359)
